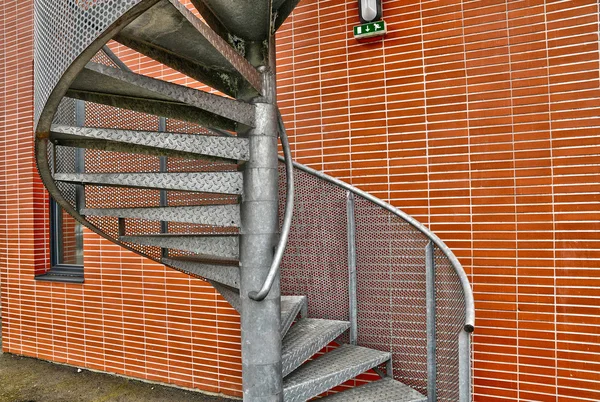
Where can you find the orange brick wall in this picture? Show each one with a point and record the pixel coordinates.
(480, 118)
(131, 316)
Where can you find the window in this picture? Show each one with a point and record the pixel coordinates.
(66, 233)
(66, 247)
(66, 238)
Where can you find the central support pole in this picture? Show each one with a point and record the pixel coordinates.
(261, 340)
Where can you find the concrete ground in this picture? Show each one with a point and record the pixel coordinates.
(23, 379)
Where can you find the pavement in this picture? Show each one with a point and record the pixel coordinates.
(24, 379)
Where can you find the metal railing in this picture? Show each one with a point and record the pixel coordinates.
(360, 259)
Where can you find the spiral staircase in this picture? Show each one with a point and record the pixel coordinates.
(197, 187)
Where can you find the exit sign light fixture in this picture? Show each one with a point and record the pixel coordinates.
(369, 30)
(370, 13)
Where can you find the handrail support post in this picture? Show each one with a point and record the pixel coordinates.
(431, 333)
(353, 307)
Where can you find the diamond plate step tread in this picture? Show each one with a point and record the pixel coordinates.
(203, 54)
(218, 182)
(214, 215)
(331, 369)
(229, 148)
(384, 390)
(224, 274)
(223, 246)
(307, 337)
(104, 84)
(290, 307)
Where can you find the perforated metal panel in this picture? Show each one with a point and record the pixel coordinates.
(64, 29)
(391, 279)
(178, 126)
(450, 315)
(63, 159)
(103, 58)
(315, 262)
(100, 161)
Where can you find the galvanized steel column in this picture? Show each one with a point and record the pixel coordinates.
(261, 342)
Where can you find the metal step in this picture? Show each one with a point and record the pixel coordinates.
(249, 20)
(331, 369)
(228, 275)
(290, 307)
(229, 293)
(219, 182)
(222, 246)
(190, 146)
(284, 9)
(112, 86)
(307, 337)
(384, 390)
(170, 33)
(215, 215)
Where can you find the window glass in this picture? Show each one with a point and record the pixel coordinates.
(67, 238)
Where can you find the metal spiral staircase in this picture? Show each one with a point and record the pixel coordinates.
(192, 179)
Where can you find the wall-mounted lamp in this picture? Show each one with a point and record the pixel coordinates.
(370, 13)
(369, 10)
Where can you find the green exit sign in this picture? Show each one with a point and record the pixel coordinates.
(370, 29)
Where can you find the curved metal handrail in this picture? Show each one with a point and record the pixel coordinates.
(287, 218)
(469, 325)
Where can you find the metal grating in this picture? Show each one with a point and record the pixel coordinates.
(97, 115)
(120, 197)
(102, 58)
(315, 263)
(450, 316)
(65, 113)
(63, 159)
(109, 224)
(64, 29)
(178, 126)
(182, 198)
(196, 165)
(391, 280)
(390, 261)
(100, 161)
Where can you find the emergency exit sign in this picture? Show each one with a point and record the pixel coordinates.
(370, 29)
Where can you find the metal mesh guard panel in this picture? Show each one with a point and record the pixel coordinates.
(63, 30)
(391, 279)
(63, 159)
(450, 317)
(100, 161)
(315, 262)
